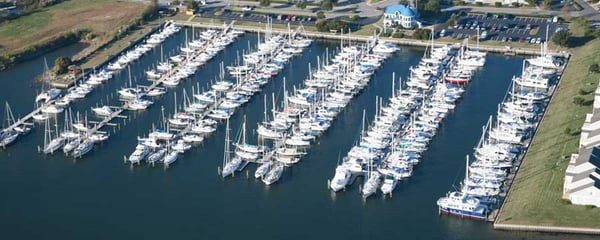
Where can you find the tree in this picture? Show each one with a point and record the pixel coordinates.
(264, 3)
(327, 5)
(432, 6)
(531, 2)
(594, 68)
(191, 4)
(498, 4)
(547, 4)
(320, 15)
(422, 34)
(561, 38)
(404, 2)
(301, 4)
(515, 4)
(452, 20)
(61, 65)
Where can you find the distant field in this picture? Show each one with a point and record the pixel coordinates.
(102, 17)
(536, 193)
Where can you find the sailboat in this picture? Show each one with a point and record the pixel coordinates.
(50, 144)
(263, 169)
(7, 136)
(274, 174)
(83, 148)
(170, 156)
(372, 182)
(245, 150)
(49, 94)
(229, 165)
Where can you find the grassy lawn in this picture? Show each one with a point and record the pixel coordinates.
(534, 31)
(368, 30)
(537, 190)
(26, 25)
(99, 16)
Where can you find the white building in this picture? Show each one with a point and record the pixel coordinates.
(402, 15)
(582, 179)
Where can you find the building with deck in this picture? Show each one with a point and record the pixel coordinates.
(582, 178)
(401, 15)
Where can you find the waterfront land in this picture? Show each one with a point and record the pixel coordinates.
(101, 19)
(535, 196)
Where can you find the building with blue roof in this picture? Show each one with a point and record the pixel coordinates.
(402, 15)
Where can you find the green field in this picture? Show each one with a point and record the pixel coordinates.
(102, 17)
(535, 197)
(26, 25)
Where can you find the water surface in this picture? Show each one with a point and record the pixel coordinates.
(99, 197)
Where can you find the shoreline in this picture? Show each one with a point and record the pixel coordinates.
(403, 41)
(546, 229)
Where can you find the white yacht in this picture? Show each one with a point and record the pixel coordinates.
(103, 111)
(340, 179)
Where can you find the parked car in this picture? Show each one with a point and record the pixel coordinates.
(521, 39)
(528, 27)
(532, 40)
(504, 39)
(538, 40)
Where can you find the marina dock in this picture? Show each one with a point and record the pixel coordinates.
(27, 119)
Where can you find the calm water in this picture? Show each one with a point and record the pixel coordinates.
(99, 197)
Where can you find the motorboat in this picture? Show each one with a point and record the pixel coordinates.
(48, 95)
(103, 111)
(141, 151)
(340, 179)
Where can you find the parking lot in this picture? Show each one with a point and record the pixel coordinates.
(504, 28)
(262, 18)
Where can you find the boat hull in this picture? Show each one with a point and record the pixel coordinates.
(462, 213)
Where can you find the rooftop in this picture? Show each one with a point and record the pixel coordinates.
(404, 10)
